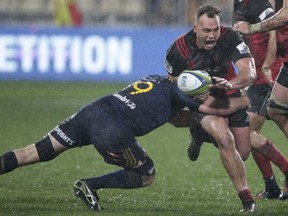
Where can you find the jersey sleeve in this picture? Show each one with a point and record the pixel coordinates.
(173, 61)
(257, 12)
(239, 47)
(189, 102)
(253, 11)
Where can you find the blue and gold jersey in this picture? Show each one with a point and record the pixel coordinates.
(147, 104)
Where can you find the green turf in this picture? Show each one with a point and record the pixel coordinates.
(29, 110)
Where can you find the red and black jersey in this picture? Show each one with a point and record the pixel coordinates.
(282, 35)
(184, 54)
(255, 11)
(252, 11)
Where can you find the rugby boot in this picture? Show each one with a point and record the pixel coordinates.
(194, 149)
(284, 195)
(84, 192)
(248, 206)
(272, 190)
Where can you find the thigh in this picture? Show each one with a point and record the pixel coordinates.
(258, 95)
(217, 127)
(239, 118)
(242, 140)
(280, 88)
(281, 120)
(256, 122)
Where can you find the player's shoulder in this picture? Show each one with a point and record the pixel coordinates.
(251, 4)
(254, 11)
(153, 82)
(156, 78)
(227, 33)
(184, 39)
(182, 44)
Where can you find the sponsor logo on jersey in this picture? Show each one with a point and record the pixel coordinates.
(243, 48)
(63, 136)
(265, 13)
(127, 101)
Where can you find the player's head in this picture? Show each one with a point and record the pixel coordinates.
(207, 26)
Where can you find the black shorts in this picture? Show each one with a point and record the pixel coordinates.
(93, 124)
(282, 77)
(259, 95)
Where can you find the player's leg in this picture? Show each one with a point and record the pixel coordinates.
(239, 124)
(44, 150)
(185, 119)
(258, 95)
(118, 147)
(278, 102)
(264, 152)
(61, 138)
(217, 127)
(242, 141)
(198, 136)
(278, 109)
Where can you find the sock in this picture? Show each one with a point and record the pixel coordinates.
(118, 179)
(245, 196)
(8, 162)
(263, 164)
(273, 154)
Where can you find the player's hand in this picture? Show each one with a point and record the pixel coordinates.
(202, 97)
(267, 75)
(221, 83)
(242, 27)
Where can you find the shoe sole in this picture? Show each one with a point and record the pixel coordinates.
(80, 193)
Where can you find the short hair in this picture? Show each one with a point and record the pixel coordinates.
(210, 10)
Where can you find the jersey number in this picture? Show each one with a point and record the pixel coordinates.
(141, 87)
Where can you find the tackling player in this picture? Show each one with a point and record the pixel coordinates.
(111, 124)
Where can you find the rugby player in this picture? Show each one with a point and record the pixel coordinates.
(111, 124)
(212, 47)
(278, 101)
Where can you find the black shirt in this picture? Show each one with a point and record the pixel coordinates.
(184, 54)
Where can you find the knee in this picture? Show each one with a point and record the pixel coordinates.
(147, 172)
(225, 140)
(148, 180)
(244, 150)
(244, 154)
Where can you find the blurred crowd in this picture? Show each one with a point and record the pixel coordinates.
(106, 12)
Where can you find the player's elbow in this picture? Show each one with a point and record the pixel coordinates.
(253, 76)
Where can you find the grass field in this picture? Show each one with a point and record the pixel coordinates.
(29, 110)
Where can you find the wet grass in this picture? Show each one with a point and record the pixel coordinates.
(29, 110)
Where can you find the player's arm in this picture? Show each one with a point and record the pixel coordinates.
(280, 19)
(246, 76)
(223, 106)
(183, 119)
(270, 57)
(246, 73)
(212, 106)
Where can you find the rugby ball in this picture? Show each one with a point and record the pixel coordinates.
(194, 82)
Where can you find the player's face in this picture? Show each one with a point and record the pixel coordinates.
(207, 31)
